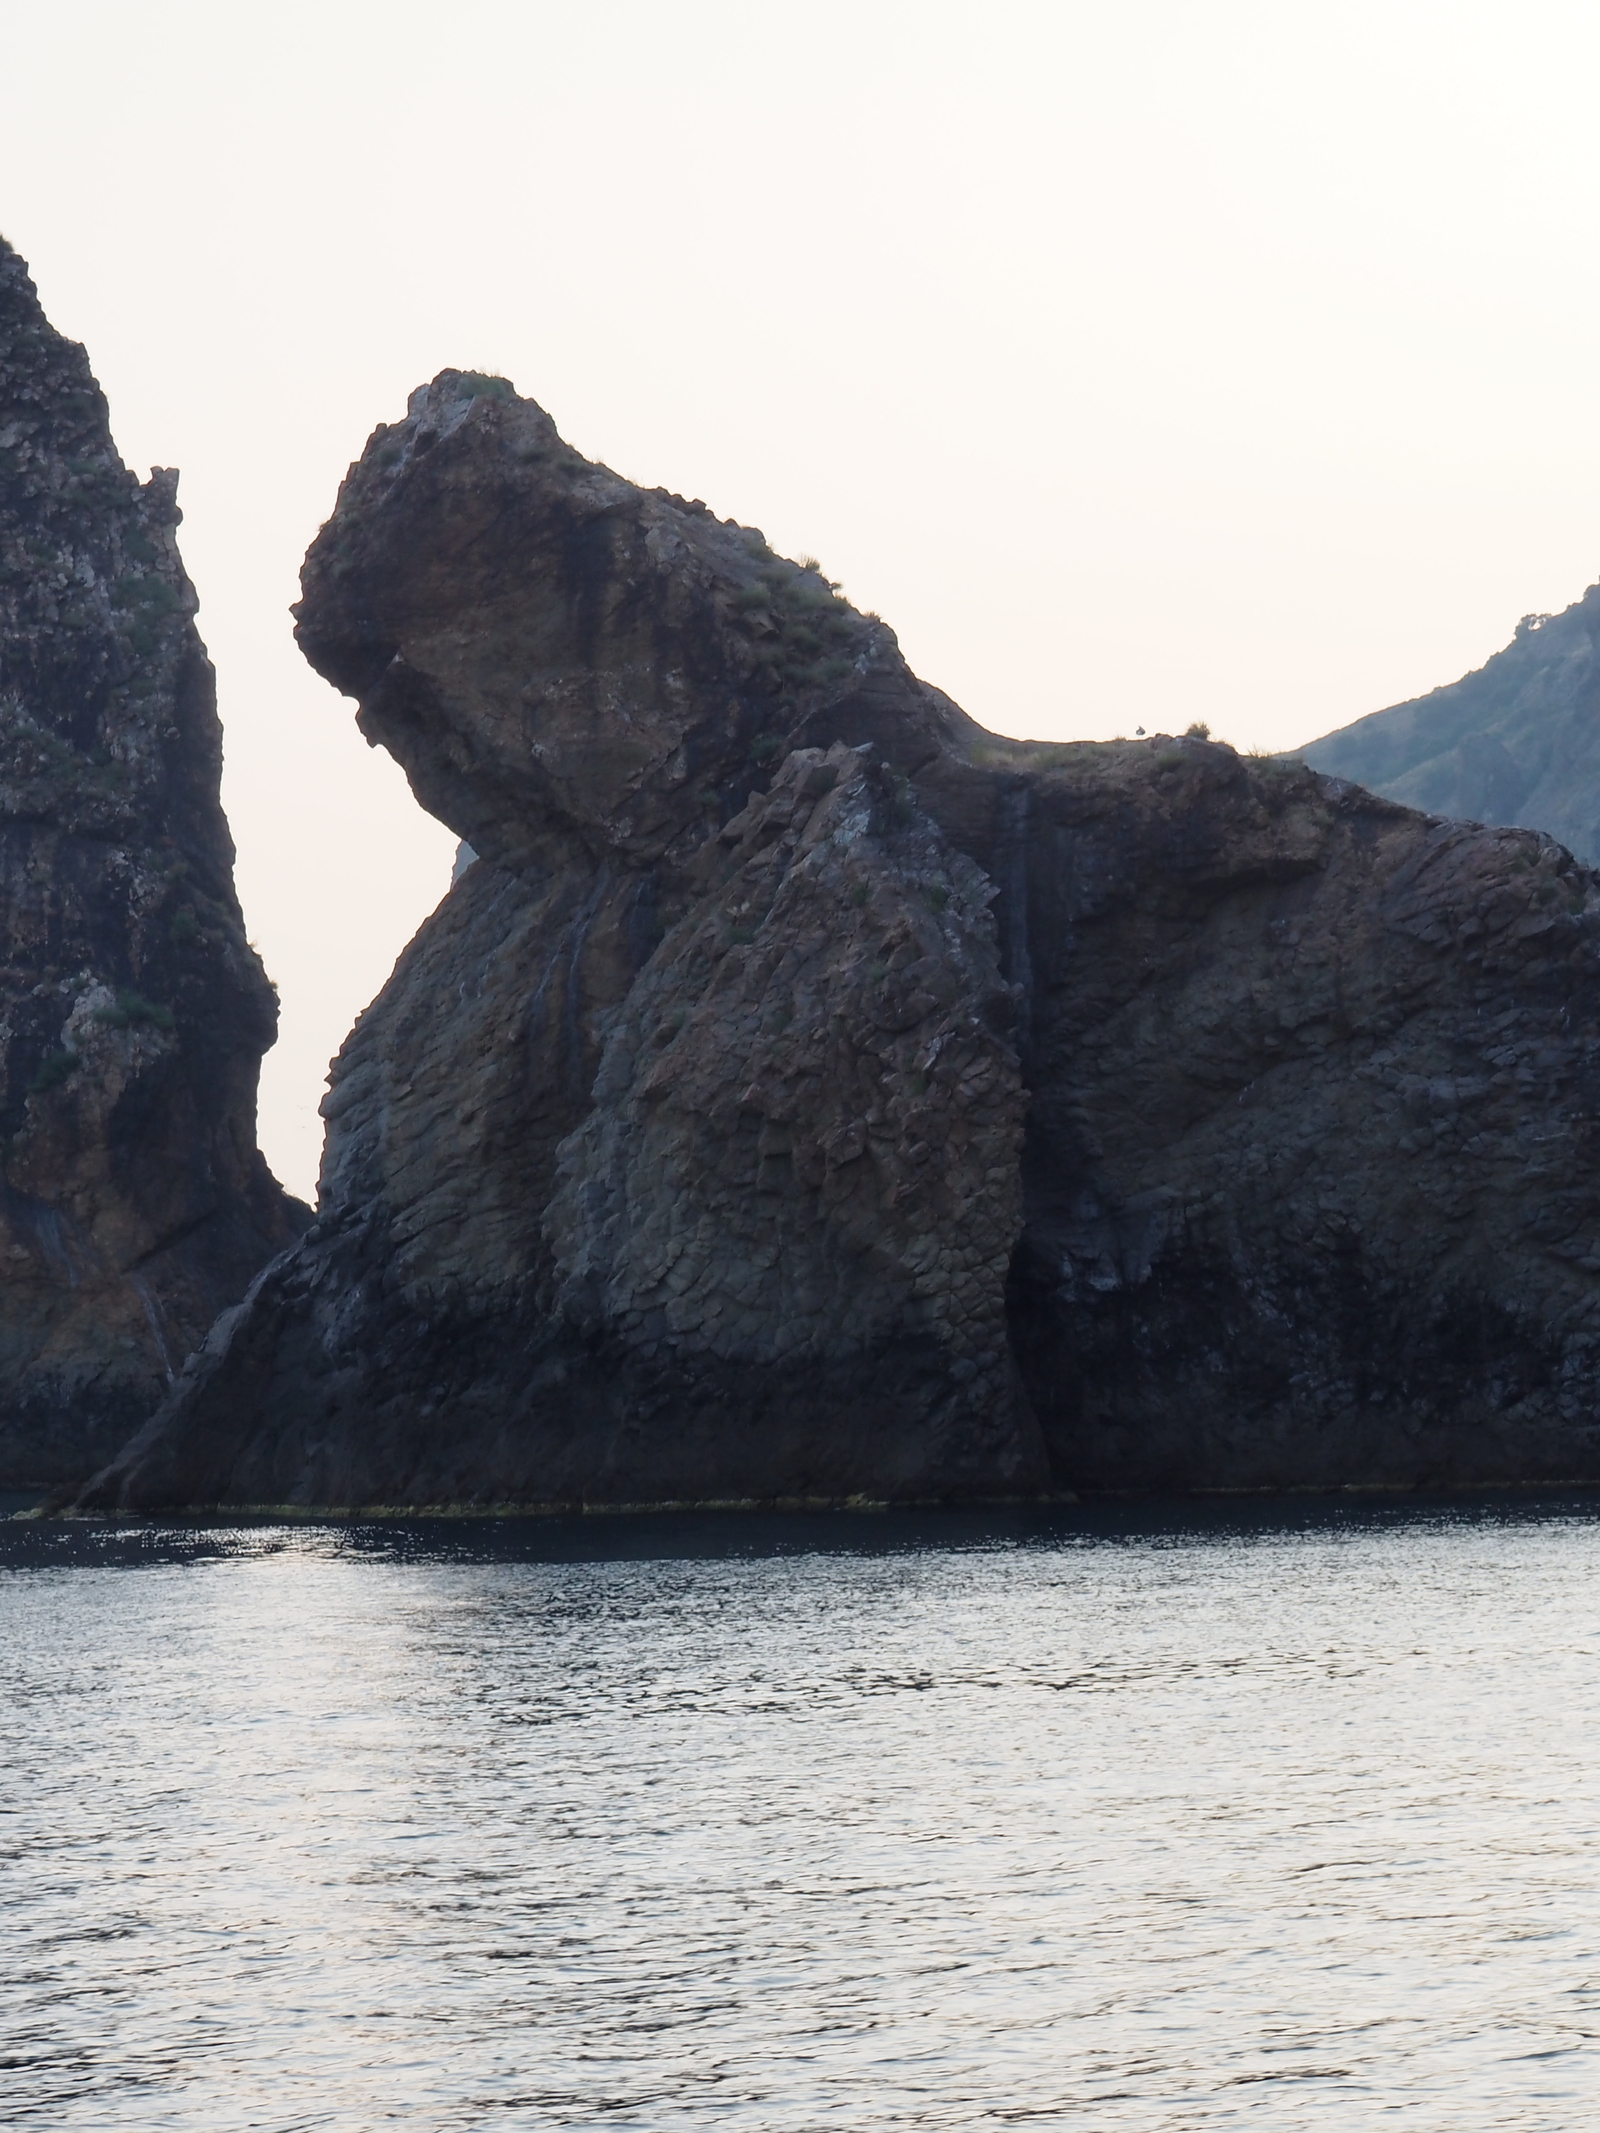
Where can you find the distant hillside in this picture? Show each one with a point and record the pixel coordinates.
(1518, 741)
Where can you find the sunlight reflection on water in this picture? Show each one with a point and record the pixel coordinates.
(1281, 1820)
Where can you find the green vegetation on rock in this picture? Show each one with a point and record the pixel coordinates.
(132, 1009)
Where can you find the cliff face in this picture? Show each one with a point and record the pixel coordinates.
(133, 1014)
(806, 1094)
(1517, 741)
(1310, 1177)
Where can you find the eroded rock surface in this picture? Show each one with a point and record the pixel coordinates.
(806, 1094)
(133, 1014)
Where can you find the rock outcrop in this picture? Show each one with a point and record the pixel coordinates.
(804, 1094)
(1516, 741)
(133, 1014)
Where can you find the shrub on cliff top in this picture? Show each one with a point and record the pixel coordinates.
(480, 385)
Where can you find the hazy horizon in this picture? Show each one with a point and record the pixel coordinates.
(1229, 363)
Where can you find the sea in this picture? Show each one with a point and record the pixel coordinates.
(1270, 1814)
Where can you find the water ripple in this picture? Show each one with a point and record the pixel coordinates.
(1190, 1823)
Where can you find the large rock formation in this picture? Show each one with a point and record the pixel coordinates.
(806, 1094)
(133, 1014)
(1515, 741)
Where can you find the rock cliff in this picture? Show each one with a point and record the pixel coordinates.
(133, 1014)
(1516, 741)
(805, 1094)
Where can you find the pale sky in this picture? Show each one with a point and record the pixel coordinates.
(1139, 361)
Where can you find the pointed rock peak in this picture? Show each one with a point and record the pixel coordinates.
(133, 1013)
(38, 366)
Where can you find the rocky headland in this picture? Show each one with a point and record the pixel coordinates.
(133, 1013)
(1515, 741)
(806, 1095)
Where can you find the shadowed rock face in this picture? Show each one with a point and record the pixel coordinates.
(133, 1014)
(806, 1094)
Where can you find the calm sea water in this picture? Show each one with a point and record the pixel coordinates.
(1280, 1821)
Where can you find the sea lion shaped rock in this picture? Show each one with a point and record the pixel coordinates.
(807, 1095)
